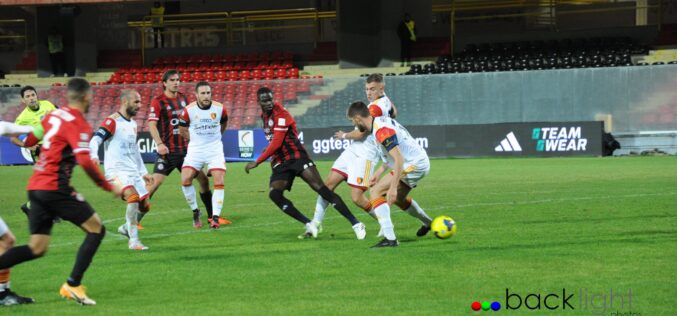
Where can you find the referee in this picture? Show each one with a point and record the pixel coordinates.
(32, 116)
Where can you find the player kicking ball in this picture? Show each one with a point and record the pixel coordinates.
(123, 165)
(202, 125)
(409, 163)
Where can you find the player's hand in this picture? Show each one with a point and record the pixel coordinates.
(148, 179)
(391, 196)
(96, 161)
(162, 149)
(340, 135)
(250, 166)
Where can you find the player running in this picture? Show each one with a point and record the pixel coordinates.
(290, 160)
(65, 142)
(7, 239)
(202, 124)
(124, 165)
(409, 163)
(356, 163)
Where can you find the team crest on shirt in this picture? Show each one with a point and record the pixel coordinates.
(169, 108)
(213, 116)
(183, 103)
(84, 136)
(360, 180)
(270, 122)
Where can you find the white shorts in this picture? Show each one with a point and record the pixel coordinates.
(128, 180)
(415, 172)
(3, 227)
(357, 170)
(214, 160)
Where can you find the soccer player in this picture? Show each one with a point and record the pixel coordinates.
(124, 165)
(290, 160)
(65, 142)
(356, 163)
(31, 115)
(7, 239)
(409, 163)
(163, 123)
(202, 124)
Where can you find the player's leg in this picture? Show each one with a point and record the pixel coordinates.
(205, 194)
(133, 199)
(161, 170)
(382, 211)
(218, 175)
(409, 205)
(188, 173)
(7, 297)
(312, 177)
(331, 182)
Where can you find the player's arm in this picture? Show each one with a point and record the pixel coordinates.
(153, 118)
(184, 122)
(81, 151)
(388, 138)
(105, 131)
(20, 121)
(11, 129)
(275, 144)
(355, 134)
(224, 118)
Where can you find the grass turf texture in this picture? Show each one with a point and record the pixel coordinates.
(530, 225)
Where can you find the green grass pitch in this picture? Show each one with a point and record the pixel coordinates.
(528, 225)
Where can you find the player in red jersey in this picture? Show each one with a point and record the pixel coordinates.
(65, 142)
(163, 123)
(290, 160)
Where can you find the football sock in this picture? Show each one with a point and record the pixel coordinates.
(217, 200)
(208, 201)
(338, 204)
(189, 193)
(4, 280)
(382, 211)
(16, 255)
(132, 216)
(85, 254)
(416, 211)
(373, 214)
(286, 206)
(320, 209)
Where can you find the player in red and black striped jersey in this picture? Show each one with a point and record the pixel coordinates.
(163, 123)
(65, 142)
(290, 160)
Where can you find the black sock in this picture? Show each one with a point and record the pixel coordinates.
(85, 255)
(207, 201)
(26, 208)
(16, 255)
(338, 204)
(287, 206)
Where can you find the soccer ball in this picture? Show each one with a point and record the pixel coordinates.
(443, 227)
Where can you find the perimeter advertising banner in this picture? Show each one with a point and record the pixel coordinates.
(533, 139)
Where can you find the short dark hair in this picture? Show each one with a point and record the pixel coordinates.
(358, 108)
(169, 73)
(202, 84)
(27, 88)
(77, 88)
(263, 91)
(375, 77)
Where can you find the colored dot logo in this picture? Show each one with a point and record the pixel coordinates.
(485, 306)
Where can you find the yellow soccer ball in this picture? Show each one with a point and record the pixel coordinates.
(443, 227)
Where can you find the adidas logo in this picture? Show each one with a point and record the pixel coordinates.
(509, 143)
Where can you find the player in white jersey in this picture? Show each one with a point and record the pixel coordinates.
(356, 163)
(409, 163)
(123, 164)
(7, 239)
(202, 124)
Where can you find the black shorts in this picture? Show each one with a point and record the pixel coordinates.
(167, 164)
(47, 205)
(289, 170)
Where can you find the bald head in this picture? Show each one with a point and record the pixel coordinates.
(130, 102)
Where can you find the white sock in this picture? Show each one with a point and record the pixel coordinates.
(189, 193)
(217, 201)
(132, 212)
(320, 209)
(383, 213)
(4, 286)
(373, 215)
(416, 211)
